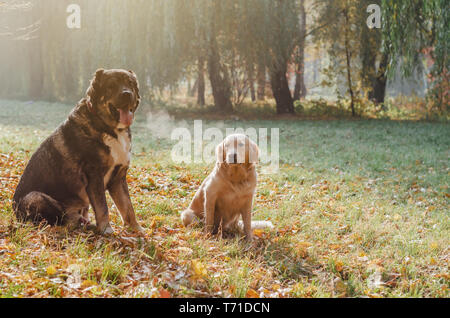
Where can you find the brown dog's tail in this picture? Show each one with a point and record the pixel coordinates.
(37, 207)
(187, 216)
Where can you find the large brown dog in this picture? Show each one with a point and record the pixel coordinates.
(85, 156)
(228, 191)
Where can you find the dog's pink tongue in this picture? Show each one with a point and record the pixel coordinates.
(126, 117)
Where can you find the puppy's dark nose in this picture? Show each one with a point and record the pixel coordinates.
(232, 158)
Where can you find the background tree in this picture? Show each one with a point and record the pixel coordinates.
(414, 28)
(238, 45)
(219, 75)
(300, 87)
(340, 25)
(280, 40)
(374, 57)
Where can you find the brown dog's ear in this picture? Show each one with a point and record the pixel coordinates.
(220, 153)
(99, 72)
(136, 87)
(93, 92)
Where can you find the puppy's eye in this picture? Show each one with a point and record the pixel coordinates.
(241, 144)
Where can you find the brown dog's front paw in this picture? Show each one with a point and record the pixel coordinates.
(136, 228)
(105, 229)
(108, 231)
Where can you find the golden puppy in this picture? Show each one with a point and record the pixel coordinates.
(228, 191)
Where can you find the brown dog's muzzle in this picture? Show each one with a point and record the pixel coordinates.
(126, 100)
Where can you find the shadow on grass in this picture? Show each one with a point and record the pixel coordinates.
(281, 255)
(277, 253)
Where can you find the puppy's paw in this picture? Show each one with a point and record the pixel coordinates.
(187, 217)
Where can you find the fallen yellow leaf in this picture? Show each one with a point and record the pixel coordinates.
(302, 248)
(339, 265)
(275, 287)
(258, 232)
(51, 270)
(434, 246)
(88, 283)
(198, 268)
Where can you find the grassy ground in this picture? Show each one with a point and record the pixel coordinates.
(360, 208)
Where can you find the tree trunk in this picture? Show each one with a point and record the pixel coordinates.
(300, 88)
(379, 82)
(193, 88)
(201, 82)
(189, 87)
(251, 81)
(375, 80)
(281, 92)
(252, 90)
(349, 79)
(219, 78)
(261, 79)
(349, 74)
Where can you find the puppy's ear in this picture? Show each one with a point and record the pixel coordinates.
(220, 153)
(93, 93)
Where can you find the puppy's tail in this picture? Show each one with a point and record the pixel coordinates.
(187, 216)
(261, 225)
(257, 225)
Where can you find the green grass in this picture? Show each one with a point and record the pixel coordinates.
(360, 208)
